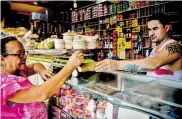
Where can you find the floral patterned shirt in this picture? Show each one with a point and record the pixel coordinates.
(9, 85)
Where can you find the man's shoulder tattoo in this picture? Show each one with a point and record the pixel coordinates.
(173, 48)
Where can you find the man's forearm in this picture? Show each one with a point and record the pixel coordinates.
(142, 65)
(135, 68)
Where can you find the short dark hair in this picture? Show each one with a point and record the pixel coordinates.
(4, 41)
(163, 18)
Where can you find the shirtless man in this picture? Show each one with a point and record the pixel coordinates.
(165, 60)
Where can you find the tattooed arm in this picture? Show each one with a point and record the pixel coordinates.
(126, 65)
(169, 54)
(173, 48)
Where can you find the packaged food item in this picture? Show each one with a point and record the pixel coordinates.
(80, 105)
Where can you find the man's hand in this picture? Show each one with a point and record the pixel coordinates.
(106, 65)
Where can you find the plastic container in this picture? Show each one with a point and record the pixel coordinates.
(68, 44)
(59, 44)
(68, 37)
(89, 39)
(79, 44)
(76, 37)
(92, 45)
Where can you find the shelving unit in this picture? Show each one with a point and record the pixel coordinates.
(141, 15)
(158, 4)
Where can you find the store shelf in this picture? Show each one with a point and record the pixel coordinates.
(38, 20)
(104, 23)
(78, 28)
(173, 22)
(129, 19)
(47, 51)
(142, 25)
(40, 58)
(93, 25)
(123, 11)
(112, 28)
(120, 20)
(134, 18)
(104, 48)
(94, 18)
(144, 16)
(108, 15)
(54, 60)
(125, 37)
(177, 35)
(144, 7)
(147, 48)
(106, 29)
(78, 21)
(106, 39)
(129, 27)
(141, 15)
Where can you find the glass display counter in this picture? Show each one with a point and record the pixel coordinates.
(128, 95)
(135, 94)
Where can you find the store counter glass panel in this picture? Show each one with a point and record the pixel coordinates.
(159, 97)
(150, 96)
(111, 82)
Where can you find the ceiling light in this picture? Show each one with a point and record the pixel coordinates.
(35, 3)
(75, 4)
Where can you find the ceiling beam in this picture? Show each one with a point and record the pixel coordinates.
(26, 7)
